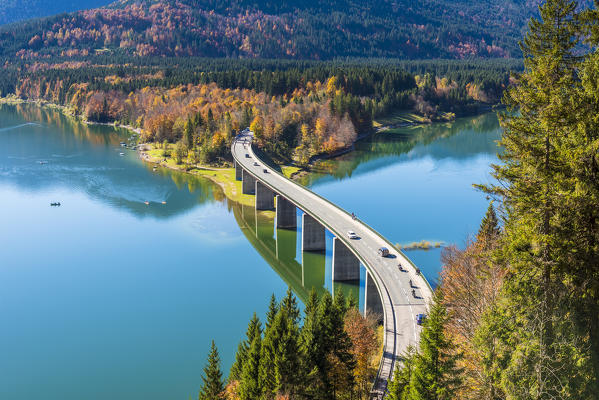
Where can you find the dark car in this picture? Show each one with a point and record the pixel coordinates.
(265, 171)
(420, 319)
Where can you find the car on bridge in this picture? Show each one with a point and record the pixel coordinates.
(420, 318)
(265, 171)
(256, 164)
(247, 155)
(352, 235)
(383, 252)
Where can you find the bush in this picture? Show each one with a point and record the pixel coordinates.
(180, 152)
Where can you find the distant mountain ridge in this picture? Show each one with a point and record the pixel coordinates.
(301, 29)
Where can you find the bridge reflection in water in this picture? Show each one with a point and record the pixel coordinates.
(282, 250)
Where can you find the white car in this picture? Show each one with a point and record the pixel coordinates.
(352, 235)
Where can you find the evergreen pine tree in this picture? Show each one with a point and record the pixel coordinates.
(543, 240)
(311, 348)
(280, 368)
(237, 367)
(188, 134)
(311, 304)
(212, 386)
(399, 388)
(489, 228)
(352, 301)
(340, 302)
(289, 303)
(254, 330)
(250, 386)
(273, 307)
(434, 375)
(336, 362)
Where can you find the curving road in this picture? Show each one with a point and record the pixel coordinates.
(400, 307)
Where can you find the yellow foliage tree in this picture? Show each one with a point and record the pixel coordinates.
(332, 86)
(257, 126)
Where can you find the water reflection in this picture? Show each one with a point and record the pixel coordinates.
(59, 152)
(281, 248)
(89, 159)
(459, 140)
(414, 184)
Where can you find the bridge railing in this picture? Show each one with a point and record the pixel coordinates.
(371, 269)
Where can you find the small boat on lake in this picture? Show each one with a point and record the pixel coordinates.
(147, 203)
(57, 204)
(121, 154)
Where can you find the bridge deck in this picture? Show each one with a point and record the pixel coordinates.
(399, 306)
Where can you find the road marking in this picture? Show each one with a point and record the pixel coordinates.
(380, 269)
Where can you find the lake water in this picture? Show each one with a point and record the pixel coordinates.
(415, 183)
(107, 297)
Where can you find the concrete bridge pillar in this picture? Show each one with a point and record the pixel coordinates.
(313, 236)
(373, 304)
(265, 197)
(286, 214)
(346, 266)
(238, 172)
(248, 183)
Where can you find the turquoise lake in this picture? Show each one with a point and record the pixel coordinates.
(107, 297)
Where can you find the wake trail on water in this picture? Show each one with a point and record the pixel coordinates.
(10, 128)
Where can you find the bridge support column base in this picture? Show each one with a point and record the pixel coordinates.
(286, 214)
(265, 197)
(238, 172)
(248, 183)
(346, 266)
(313, 235)
(373, 304)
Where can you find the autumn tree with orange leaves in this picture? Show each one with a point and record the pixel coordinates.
(471, 281)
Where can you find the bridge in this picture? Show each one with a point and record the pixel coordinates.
(396, 295)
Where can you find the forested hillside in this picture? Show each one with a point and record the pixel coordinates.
(195, 71)
(297, 109)
(19, 10)
(286, 29)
